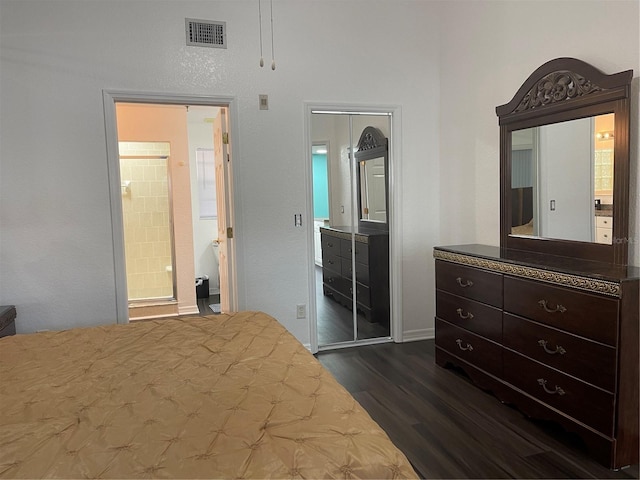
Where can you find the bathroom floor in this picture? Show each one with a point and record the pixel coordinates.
(203, 304)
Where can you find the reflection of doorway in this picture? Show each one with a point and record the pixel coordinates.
(320, 178)
(179, 180)
(341, 282)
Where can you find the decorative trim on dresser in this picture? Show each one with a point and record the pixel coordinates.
(371, 258)
(555, 336)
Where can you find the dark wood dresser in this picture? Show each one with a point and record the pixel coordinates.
(371, 266)
(555, 336)
(7, 320)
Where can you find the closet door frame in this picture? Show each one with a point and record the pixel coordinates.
(395, 215)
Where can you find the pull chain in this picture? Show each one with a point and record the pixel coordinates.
(273, 56)
(260, 20)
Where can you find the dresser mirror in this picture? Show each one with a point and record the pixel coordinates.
(372, 179)
(542, 158)
(564, 163)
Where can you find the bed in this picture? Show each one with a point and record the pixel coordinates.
(225, 396)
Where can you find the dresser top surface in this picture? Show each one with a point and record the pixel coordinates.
(355, 229)
(566, 265)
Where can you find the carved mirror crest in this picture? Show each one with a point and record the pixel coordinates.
(372, 175)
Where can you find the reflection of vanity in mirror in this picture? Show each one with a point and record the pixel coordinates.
(364, 246)
(543, 159)
(548, 321)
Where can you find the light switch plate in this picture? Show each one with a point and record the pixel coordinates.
(263, 101)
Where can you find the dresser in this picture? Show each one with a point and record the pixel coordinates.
(556, 337)
(7, 320)
(370, 250)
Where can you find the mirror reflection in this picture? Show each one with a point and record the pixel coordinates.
(351, 250)
(546, 161)
(373, 200)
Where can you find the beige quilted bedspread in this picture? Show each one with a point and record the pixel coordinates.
(226, 396)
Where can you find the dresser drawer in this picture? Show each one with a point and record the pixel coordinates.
(469, 282)
(362, 271)
(603, 221)
(592, 362)
(331, 262)
(585, 403)
(335, 281)
(470, 347)
(580, 313)
(604, 235)
(361, 252)
(469, 314)
(330, 245)
(363, 294)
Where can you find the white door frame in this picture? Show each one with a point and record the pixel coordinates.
(110, 97)
(395, 212)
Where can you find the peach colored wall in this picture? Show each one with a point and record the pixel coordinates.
(168, 123)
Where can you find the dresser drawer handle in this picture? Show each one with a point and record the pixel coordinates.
(559, 349)
(468, 347)
(330, 245)
(468, 316)
(559, 308)
(468, 283)
(543, 383)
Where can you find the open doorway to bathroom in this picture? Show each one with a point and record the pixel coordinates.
(171, 159)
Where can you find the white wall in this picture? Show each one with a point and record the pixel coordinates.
(445, 64)
(56, 255)
(488, 49)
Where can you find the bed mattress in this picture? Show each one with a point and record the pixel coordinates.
(225, 396)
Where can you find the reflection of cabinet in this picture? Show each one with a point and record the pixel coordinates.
(371, 266)
(560, 341)
(604, 229)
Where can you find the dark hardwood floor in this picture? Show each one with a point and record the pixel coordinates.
(335, 322)
(203, 304)
(449, 428)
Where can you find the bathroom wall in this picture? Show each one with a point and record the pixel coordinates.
(205, 230)
(146, 219)
(147, 123)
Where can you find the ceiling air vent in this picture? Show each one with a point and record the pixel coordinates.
(205, 33)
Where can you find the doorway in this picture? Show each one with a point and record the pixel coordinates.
(188, 216)
(351, 259)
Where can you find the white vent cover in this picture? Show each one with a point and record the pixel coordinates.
(205, 33)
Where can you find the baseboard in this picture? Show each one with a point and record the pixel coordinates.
(421, 334)
(188, 310)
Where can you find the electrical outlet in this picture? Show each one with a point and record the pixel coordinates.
(301, 310)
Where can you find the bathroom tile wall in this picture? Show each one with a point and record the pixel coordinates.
(146, 216)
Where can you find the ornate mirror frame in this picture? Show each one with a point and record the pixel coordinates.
(372, 144)
(560, 90)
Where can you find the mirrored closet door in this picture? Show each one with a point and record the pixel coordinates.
(350, 170)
